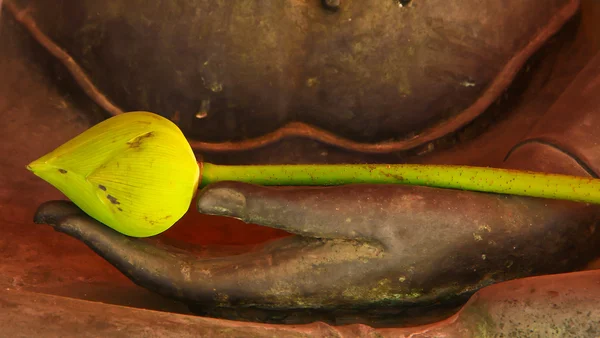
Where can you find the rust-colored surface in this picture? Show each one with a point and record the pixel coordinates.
(549, 306)
(42, 115)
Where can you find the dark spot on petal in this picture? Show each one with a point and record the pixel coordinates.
(112, 199)
(120, 209)
(136, 142)
(62, 171)
(103, 188)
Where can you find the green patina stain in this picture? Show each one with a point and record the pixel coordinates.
(477, 317)
(381, 292)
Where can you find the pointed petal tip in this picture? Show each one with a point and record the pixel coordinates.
(42, 168)
(36, 166)
(33, 166)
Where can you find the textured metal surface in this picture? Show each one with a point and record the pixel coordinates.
(363, 250)
(548, 306)
(233, 71)
(41, 109)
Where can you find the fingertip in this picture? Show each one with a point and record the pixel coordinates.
(52, 212)
(62, 216)
(222, 200)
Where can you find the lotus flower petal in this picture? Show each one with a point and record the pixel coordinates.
(134, 172)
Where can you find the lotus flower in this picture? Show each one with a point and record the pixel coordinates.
(134, 172)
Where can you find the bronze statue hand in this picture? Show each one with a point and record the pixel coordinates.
(355, 247)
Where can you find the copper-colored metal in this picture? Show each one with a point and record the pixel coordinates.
(36, 118)
(300, 129)
(547, 305)
(76, 71)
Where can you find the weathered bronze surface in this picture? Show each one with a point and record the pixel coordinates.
(372, 250)
(551, 126)
(371, 71)
(547, 306)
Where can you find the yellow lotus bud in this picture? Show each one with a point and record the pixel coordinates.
(134, 172)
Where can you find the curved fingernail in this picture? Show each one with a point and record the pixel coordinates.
(222, 202)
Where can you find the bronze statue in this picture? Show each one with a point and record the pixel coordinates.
(460, 82)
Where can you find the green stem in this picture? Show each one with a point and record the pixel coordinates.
(491, 180)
